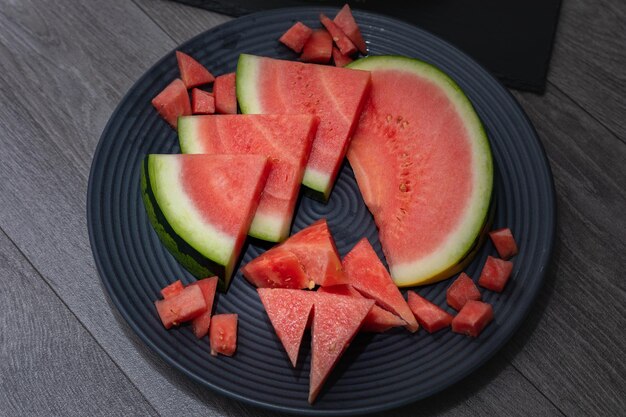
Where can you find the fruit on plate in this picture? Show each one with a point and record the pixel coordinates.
(318, 48)
(192, 72)
(172, 289)
(342, 41)
(473, 318)
(307, 258)
(336, 320)
(225, 94)
(200, 325)
(367, 274)
(288, 311)
(347, 24)
(423, 164)
(202, 102)
(461, 291)
(378, 320)
(495, 274)
(188, 304)
(504, 242)
(430, 316)
(335, 95)
(173, 102)
(339, 59)
(296, 36)
(285, 139)
(223, 334)
(201, 206)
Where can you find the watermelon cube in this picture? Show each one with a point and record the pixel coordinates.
(473, 318)
(296, 36)
(172, 289)
(430, 316)
(192, 72)
(173, 102)
(184, 306)
(495, 274)
(223, 334)
(340, 59)
(504, 242)
(318, 49)
(461, 291)
(342, 41)
(202, 102)
(346, 22)
(200, 325)
(225, 94)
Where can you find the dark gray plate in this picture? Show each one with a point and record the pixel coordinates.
(377, 372)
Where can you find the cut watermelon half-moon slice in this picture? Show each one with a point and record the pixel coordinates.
(201, 206)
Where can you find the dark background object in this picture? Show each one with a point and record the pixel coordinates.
(513, 39)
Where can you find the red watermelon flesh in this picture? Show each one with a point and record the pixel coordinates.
(295, 38)
(202, 102)
(377, 320)
(473, 318)
(225, 94)
(182, 307)
(495, 274)
(223, 334)
(318, 47)
(342, 41)
(200, 325)
(336, 320)
(174, 288)
(346, 22)
(430, 316)
(285, 139)
(340, 59)
(173, 102)
(335, 95)
(461, 291)
(368, 275)
(504, 242)
(192, 72)
(288, 311)
(280, 269)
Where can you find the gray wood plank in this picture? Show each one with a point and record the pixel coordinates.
(49, 363)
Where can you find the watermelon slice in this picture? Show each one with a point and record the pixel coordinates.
(182, 307)
(202, 102)
(336, 320)
(318, 48)
(495, 274)
(201, 206)
(340, 59)
(430, 316)
(344, 43)
(295, 38)
(289, 312)
(225, 94)
(347, 24)
(223, 334)
(173, 102)
(336, 95)
(285, 139)
(368, 275)
(377, 320)
(461, 291)
(192, 72)
(200, 325)
(315, 251)
(423, 164)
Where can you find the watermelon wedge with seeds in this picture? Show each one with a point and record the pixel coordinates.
(335, 95)
(201, 207)
(223, 334)
(192, 72)
(285, 139)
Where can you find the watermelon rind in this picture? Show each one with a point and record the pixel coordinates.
(445, 260)
(247, 70)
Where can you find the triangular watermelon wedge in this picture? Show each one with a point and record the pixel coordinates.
(201, 206)
(192, 72)
(289, 312)
(336, 95)
(336, 320)
(368, 275)
(285, 139)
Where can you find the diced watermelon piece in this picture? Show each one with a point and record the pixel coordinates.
(473, 318)
(223, 334)
(504, 242)
(186, 305)
(368, 275)
(346, 22)
(296, 36)
(336, 320)
(378, 320)
(430, 316)
(174, 288)
(225, 94)
(495, 274)
(461, 291)
(342, 41)
(289, 312)
(202, 102)
(173, 102)
(200, 325)
(192, 72)
(318, 48)
(340, 59)
(278, 269)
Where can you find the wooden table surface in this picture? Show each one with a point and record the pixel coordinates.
(64, 350)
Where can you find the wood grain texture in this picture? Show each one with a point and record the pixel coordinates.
(49, 363)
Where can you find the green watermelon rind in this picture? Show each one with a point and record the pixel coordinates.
(200, 260)
(463, 244)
